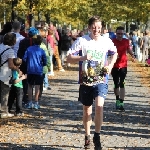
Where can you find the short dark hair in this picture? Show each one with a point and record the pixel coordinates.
(119, 28)
(9, 39)
(94, 19)
(38, 40)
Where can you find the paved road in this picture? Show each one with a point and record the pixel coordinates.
(58, 124)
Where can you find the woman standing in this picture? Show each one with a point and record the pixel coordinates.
(7, 55)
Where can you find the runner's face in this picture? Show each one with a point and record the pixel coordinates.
(119, 34)
(95, 29)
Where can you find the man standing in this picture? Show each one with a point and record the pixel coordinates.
(119, 70)
(145, 45)
(91, 52)
(16, 29)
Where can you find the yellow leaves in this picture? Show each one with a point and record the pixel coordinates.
(80, 10)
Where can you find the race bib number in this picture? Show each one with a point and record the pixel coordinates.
(96, 55)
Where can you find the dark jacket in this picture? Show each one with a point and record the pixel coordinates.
(65, 42)
(23, 45)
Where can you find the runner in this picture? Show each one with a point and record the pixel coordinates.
(119, 70)
(91, 52)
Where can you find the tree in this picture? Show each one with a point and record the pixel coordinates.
(77, 12)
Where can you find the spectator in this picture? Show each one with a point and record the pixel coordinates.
(23, 45)
(45, 69)
(66, 42)
(35, 58)
(6, 28)
(22, 31)
(134, 39)
(81, 33)
(16, 91)
(145, 45)
(42, 32)
(105, 32)
(45, 85)
(56, 52)
(51, 49)
(16, 29)
(7, 55)
(111, 34)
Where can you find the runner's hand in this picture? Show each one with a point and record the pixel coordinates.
(133, 59)
(88, 57)
(109, 68)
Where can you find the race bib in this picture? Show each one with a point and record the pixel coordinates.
(96, 55)
(92, 70)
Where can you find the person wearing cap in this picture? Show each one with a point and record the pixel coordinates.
(16, 29)
(23, 45)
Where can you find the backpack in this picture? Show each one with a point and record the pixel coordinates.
(1, 57)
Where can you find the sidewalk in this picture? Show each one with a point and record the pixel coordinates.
(58, 124)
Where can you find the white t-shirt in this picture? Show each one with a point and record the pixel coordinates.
(99, 50)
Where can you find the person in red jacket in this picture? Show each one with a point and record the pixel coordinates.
(119, 70)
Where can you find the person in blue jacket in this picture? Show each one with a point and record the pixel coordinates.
(35, 59)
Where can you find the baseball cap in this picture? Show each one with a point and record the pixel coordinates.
(33, 31)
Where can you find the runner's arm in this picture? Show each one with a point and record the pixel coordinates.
(113, 59)
(74, 59)
(131, 53)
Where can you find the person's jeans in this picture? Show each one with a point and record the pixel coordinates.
(46, 83)
(4, 92)
(51, 62)
(25, 89)
(63, 56)
(15, 93)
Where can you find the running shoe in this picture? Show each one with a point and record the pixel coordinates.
(97, 143)
(87, 142)
(117, 104)
(121, 106)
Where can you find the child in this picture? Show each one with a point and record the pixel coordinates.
(35, 59)
(16, 91)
